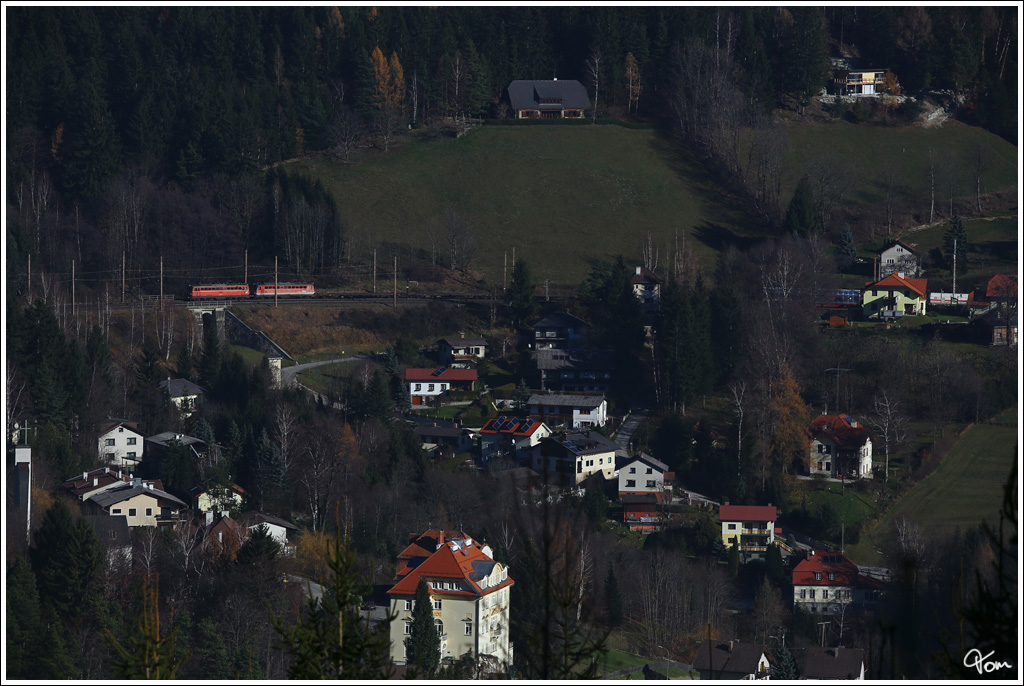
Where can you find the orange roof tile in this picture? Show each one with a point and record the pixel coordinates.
(464, 560)
(919, 286)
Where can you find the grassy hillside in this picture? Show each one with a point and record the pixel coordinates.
(963, 490)
(565, 197)
(562, 196)
(870, 150)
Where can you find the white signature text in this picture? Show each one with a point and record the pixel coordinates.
(980, 662)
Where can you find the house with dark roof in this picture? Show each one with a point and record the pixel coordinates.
(444, 437)
(548, 99)
(646, 288)
(815, 662)
(575, 411)
(561, 331)
(575, 371)
(140, 504)
(97, 481)
(216, 497)
(428, 384)
(731, 661)
(751, 527)
(469, 596)
(570, 458)
(894, 296)
(644, 474)
(840, 447)
(510, 437)
(184, 394)
(897, 256)
(277, 528)
(461, 349)
(825, 581)
(119, 443)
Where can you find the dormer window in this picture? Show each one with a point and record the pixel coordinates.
(817, 576)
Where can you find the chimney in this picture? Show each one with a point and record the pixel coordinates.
(136, 482)
(812, 554)
(85, 476)
(209, 518)
(638, 271)
(902, 275)
(224, 513)
(95, 482)
(731, 644)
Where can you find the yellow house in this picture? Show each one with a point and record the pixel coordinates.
(141, 504)
(894, 296)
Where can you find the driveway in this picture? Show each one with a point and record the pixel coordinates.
(289, 374)
(625, 432)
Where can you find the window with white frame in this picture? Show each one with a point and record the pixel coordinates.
(651, 483)
(437, 603)
(408, 605)
(469, 629)
(132, 511)
(408, 628)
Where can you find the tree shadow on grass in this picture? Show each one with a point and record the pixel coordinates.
(715, 200)
(719, 237)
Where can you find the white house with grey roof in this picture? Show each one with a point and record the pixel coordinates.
(576, 411)
(120, 444)
(570, 458)
(548, 99)
(185, 395)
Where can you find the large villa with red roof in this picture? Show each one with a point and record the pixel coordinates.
(751, 527)
(825, 581)
(430, 383)
(894, 296)
(469, 590)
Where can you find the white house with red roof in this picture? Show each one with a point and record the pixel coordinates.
(469, 593)
(431, 383)
(894, 296)
(840, 448)
(119, 443)
(510, 437)
(825, 581)
(751, 527)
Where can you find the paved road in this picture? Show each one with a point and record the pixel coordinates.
(625, 432)
(289, 374)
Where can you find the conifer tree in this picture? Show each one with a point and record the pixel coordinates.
(331, 640)
(956, 235)
(66, 557)
(802, 218)
(24, 622)
(846, 251)
(150, 652)
(522, 305)
(423, 647)
(613, 598)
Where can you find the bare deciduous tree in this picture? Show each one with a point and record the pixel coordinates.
(593, 67)
(649, 251)
(890, 423)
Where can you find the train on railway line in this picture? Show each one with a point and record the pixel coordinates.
(243, 290)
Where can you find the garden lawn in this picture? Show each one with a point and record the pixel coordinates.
(964, 489)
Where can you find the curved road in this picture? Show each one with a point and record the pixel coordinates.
(289, 374)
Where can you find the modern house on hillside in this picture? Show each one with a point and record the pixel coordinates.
(568, 459)
(575, 411)
(894, 296)
(751, 527)
(510, 437)
(548, 99)
(185, 395)
(427, 384)
(461, 349)
(575, 371)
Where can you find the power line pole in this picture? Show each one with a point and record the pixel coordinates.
(375, 271)
(72, 288)
(395, 295)
(122, 277)
(837, 370)
(246, 278)
(30, 277)
(275, 280)
(161, 283)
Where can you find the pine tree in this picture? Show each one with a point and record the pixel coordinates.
(25, 631)
(734, 559)
(66, 557)
(423, 647)
(956, 235)
(522, 393)
(260, 546)
(148, 654)
(613, 598)
(846, 251)
(522, 305)
(802, 218)
(774, 568)
(211, 659)
(785, 665)
(331, 640)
